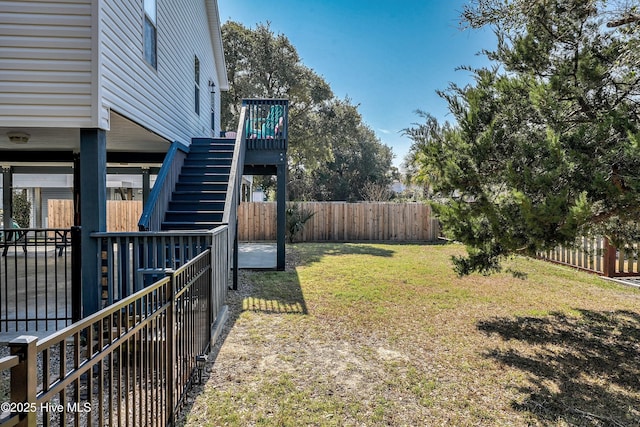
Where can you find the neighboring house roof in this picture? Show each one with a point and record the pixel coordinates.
(216, 41)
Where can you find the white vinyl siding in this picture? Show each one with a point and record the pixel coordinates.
(46, 64)
(159, 99)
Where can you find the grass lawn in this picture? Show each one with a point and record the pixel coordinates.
(377, 334)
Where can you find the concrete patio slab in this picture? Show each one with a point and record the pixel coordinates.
(257, 256)
(629, 281)
(35, 292)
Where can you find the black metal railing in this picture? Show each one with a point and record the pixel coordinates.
(266, 124)
(130, 363)
(39, 278)
(160, 195)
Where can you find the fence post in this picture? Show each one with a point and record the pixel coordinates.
(225, 259)
(215, 293)
(609, 267)
(171, 346)
(23, 378)
(235, 258)
(76, 275)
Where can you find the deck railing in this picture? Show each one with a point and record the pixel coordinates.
(266, 126)
(130, 363)
(160, 195)
(232, 201)
(39, 277)
(131, 261)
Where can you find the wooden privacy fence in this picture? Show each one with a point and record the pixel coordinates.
(596, 255)
(341, 222)
(333, 221)
(122, 215)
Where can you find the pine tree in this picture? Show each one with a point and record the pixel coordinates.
(545, 145)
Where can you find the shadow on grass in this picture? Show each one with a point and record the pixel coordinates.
(262, 292)
(275, 292)
(312, 253)
(583, 371)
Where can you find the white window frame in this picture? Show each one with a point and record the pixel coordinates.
(196, 73)
(150, 8)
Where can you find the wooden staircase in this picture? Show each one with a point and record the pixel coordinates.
(197, 202)
(198, 187)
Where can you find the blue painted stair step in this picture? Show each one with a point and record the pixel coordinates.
(197, 202)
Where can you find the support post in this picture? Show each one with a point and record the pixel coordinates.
(171, 347)
(281, 216)
(234, 283)
(609, 267)
(7, 196)
(77, 184)
(146, 185)
(93, 212)
(76, 274)
(37, 207)
(24, 378)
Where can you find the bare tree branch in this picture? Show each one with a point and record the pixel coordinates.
(630, 19)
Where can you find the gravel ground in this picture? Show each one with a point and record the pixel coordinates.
(4, 377)
(55, 358)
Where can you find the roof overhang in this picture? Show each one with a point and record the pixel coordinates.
(215, 32)
(127, 142)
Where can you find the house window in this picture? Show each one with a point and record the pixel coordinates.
(196, 67)
(150, 33)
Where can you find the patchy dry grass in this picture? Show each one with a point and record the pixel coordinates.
(372, 334)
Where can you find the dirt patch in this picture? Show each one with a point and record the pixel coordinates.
(258, 346)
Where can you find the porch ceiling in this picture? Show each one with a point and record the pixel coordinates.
(125, 136)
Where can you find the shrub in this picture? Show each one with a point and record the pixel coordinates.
(21, 209)
(297, 217)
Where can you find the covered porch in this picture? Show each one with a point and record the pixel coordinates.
(88, 155)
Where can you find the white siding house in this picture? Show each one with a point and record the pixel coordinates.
(162, 98)
(47, 64)
(87, 85)
(72, 64)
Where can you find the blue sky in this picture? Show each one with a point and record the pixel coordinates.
(387, 56)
